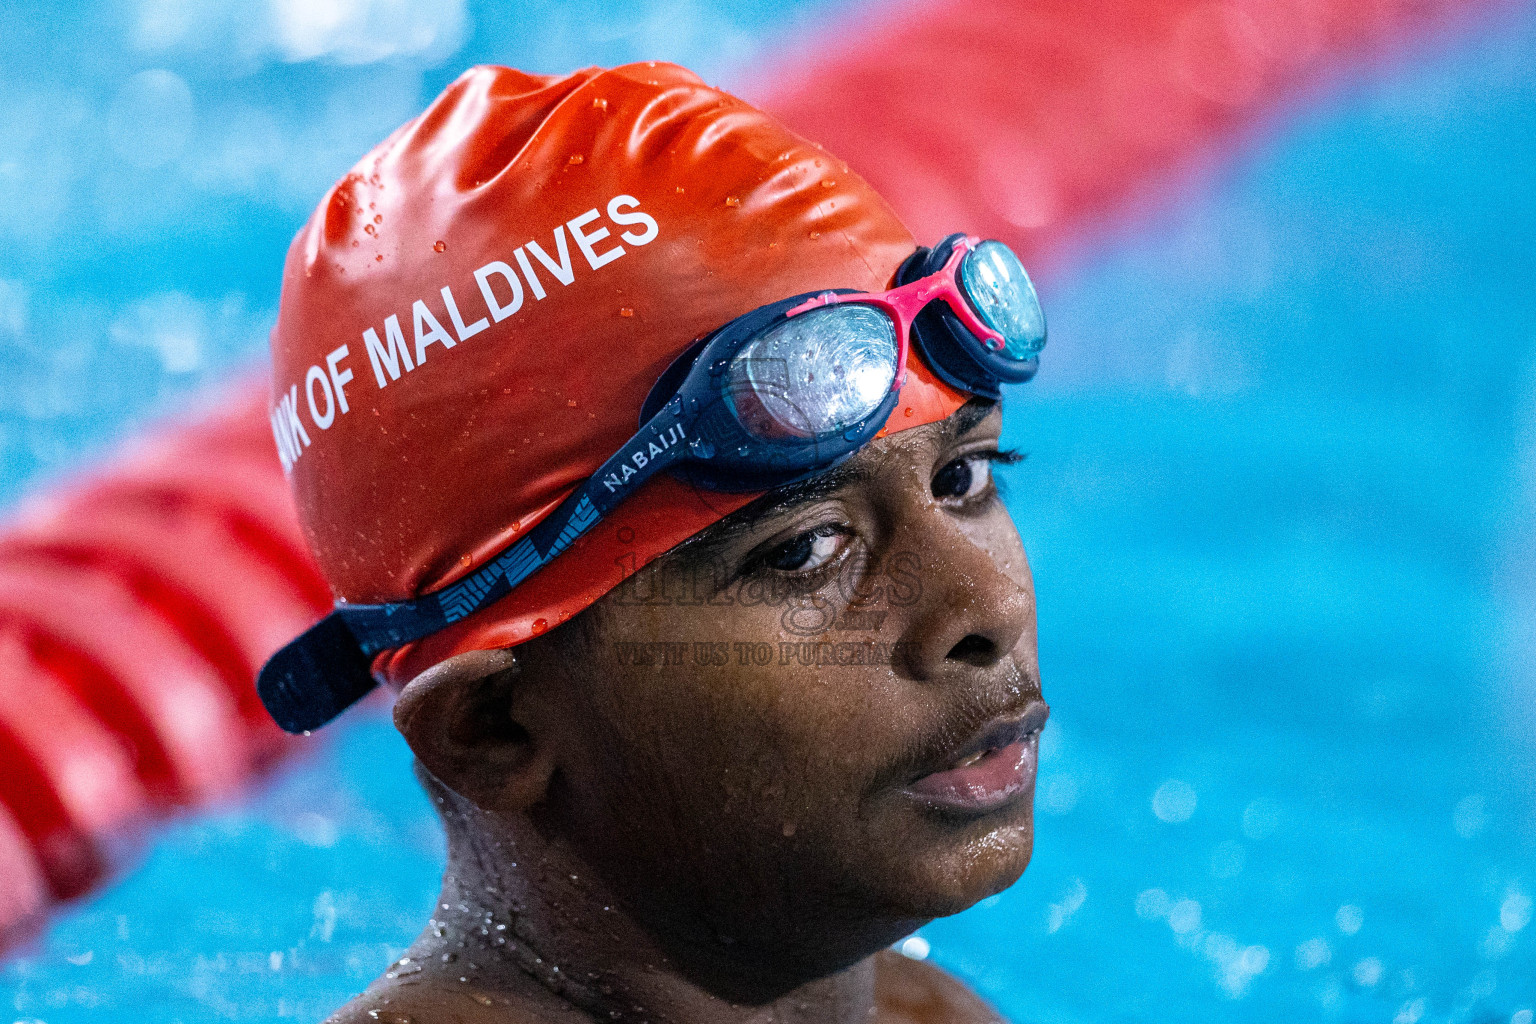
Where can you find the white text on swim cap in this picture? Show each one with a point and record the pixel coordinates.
(496, 281)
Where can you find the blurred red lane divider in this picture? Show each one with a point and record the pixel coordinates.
(137, 602)
(1022, 119)
(136, 605)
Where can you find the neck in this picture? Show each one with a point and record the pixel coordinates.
(520, 916)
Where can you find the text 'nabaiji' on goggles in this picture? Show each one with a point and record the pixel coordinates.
(780, 394)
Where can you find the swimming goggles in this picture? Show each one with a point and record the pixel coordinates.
(777, 395)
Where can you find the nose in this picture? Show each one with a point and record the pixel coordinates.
(970, 613)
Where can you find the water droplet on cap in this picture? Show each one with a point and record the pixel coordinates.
(440, 246)
(576, 158)
(732, 201)
(626, 311)
(598, 103)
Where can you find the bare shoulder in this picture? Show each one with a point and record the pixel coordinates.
(911, 991)
(434, 1004)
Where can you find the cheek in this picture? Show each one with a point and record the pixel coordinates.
(729, 731)
(745, 743)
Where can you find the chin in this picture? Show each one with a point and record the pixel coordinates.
(962, 865)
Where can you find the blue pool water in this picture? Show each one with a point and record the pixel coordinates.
(1279, 504)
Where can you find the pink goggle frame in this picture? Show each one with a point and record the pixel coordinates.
(904, 302)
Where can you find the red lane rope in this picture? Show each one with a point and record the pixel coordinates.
(1021, 119)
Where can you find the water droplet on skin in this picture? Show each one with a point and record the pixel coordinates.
(370, 229)
(732, 201)
(815, 235)
(440, 246)
(379, 258)
(598, 103)
(540, 625)
(828, 183)
(378, 218)
(907, 411)
(571, 402)
(626, 311)
(576, 158)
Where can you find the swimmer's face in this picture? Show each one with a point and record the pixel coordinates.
(751, 790)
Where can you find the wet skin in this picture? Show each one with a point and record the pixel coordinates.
(636, 835)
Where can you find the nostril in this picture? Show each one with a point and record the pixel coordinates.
(974, 650)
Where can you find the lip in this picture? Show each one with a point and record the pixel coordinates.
(1004, 770)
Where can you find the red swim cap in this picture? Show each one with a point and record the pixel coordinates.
(473, 316)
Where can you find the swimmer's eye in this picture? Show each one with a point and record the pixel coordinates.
(804, 552)
(970, 476)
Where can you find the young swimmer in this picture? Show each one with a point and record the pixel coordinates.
(721, 669)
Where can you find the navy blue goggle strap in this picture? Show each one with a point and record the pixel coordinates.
(329, 667)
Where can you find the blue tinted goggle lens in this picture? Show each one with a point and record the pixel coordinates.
(1004, 297)
(816, 374)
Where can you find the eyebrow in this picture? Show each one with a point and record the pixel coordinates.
(961, 422)
(969, 416)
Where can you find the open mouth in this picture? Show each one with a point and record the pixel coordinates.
(990, 772)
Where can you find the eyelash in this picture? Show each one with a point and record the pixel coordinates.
(762, 562)
(993, 486)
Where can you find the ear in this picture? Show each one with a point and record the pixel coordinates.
(458, 718)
